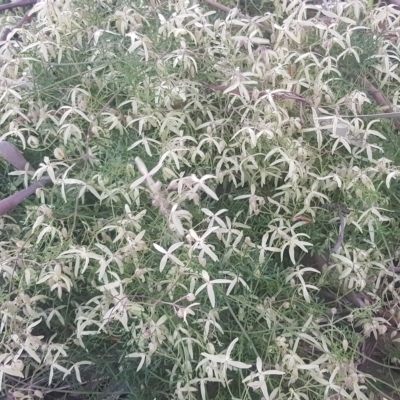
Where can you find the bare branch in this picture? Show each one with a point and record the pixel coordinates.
(394, 2)
(12, 155)
(218, 6)
(339, 242)
(380, 98)
(24, 20)
(16, 4)
(9, 203)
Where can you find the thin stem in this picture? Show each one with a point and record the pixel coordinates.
(241, 328)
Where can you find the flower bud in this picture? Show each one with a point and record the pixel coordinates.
(190, 297)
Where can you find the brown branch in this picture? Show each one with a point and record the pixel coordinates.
(12, 155)
(380, 99)
(24, 20)
(394, 2)
(21, 3)
(318, 261)
(9, 203)
(218, 6)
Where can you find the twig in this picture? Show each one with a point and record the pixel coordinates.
(241, 328)
(12, 155)
(389, 115)
(339, 242)
(396, 3)
(21, 3)
(89, 131)
(358, 299)
(25, 19)
(218, 6)
(9, 203)
(381, 99)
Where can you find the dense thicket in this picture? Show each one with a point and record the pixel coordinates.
(214, 209)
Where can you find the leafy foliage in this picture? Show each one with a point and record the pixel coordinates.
(196, 158)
